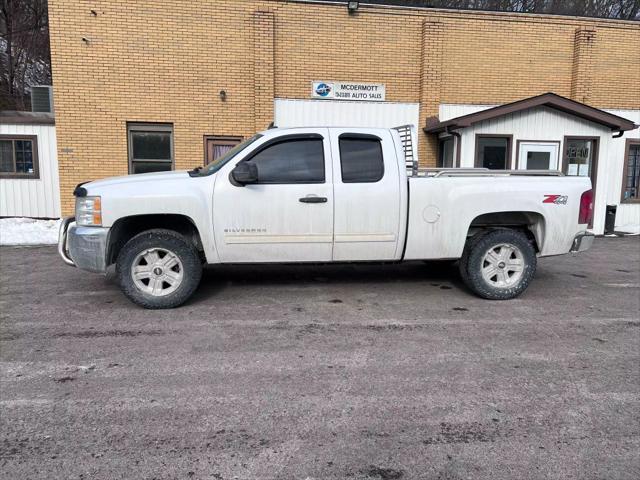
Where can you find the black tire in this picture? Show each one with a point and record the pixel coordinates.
(473, 261)
(185, 251)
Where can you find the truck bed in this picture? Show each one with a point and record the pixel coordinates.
(445, 203)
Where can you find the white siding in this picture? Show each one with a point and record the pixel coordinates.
(328, 113)
(31, 197)
(628, 215)
(543, 123)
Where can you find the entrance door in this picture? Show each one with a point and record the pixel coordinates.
(538, 155)
(581, 159)
(367, 195)
(287, 216)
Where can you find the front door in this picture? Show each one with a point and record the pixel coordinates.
(538, 155)
(581, 159)
(580, 156)
(287, 216)
(367, 195)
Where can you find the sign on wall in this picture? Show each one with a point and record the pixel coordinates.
(372, 92)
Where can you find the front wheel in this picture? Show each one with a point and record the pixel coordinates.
(499, 264)
(158, 269)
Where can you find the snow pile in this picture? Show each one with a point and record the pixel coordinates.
(28, 231)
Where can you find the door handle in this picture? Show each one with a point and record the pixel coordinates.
(313, 199)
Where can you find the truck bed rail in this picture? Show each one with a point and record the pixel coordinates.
(483, 172)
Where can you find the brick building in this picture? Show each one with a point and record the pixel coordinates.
(194, 77)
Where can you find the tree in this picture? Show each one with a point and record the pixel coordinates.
(621, 9)
(25, 57)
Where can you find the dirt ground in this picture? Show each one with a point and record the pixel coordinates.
(323, 372)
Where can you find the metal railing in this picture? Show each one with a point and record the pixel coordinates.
(483, 172)
(406, 137)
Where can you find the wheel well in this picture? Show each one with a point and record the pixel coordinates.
(531, 223)
(124, 229)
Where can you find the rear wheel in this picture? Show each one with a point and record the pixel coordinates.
(498, 264)
(158, 269)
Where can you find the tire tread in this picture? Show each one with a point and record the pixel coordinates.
(162, 238)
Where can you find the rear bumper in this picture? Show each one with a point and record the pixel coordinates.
(83, 247)
(582, 242)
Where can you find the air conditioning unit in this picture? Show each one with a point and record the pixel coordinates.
(42, 98)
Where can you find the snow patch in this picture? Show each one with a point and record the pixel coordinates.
(28, 231)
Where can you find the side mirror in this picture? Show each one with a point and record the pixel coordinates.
(245, 173)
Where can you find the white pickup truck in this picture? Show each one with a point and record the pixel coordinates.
(323, 195)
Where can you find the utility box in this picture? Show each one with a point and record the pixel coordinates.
(610, 219)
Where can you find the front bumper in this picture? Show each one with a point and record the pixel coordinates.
(83, 247)
(582, 242)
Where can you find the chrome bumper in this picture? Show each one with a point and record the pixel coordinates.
(582, 242)
(83, 247)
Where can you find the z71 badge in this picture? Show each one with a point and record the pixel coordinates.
(557, 199)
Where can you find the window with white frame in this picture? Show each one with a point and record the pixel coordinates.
(538, 155)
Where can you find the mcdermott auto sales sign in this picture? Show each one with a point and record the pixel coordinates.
(372, 92)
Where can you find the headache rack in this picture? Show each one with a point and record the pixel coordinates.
(407, 133)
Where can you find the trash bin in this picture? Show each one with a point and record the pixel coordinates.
(610, 219)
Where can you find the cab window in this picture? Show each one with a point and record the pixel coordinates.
(361, 159)
(291, 161)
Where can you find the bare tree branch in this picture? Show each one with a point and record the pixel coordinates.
(25, 57)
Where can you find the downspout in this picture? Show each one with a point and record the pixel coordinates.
(619, 134)
(458, 145)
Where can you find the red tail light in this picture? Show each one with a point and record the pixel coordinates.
(586, 208)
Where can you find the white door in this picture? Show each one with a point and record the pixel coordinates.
(367, 195)
(287, 215)
(538, 156)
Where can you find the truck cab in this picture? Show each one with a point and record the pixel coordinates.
(312, 195)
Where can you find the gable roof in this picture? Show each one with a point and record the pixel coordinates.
(551, 100)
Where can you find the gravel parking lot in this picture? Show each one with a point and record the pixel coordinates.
(323, 372)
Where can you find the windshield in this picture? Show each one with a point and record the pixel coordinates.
(218, 163)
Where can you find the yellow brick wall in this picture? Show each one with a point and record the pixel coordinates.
(156, 61)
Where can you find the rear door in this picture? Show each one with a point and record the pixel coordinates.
(366, 195)
(288, 215)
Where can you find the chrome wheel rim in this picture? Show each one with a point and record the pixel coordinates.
(503, 265)
(157, 272)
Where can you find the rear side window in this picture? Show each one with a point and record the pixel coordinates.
(361, 159)
(291, 161)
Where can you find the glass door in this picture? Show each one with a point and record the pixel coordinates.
(581, 159)
(538, 155)
(580, 156)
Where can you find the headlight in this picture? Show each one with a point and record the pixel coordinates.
(88, 211)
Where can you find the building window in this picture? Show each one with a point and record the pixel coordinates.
(291, 161)
(216, 146)
(493, 151)
(631, 172)
(150, 147)
(360, 159)
(19, 156)
(445, 152)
